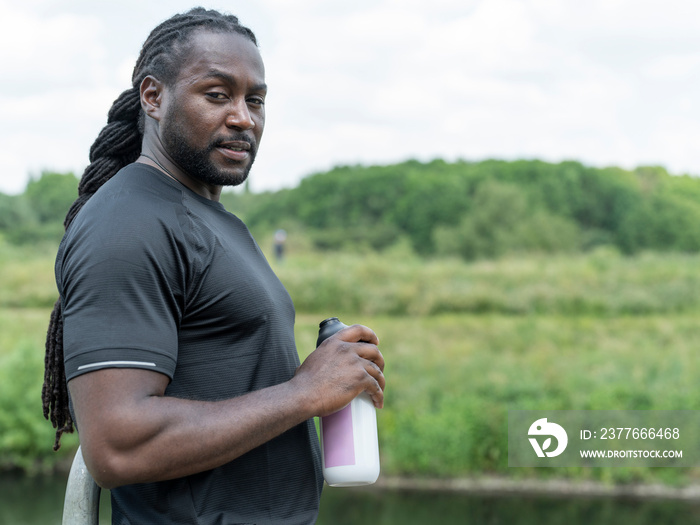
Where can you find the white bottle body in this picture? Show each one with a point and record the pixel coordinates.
(349, 444)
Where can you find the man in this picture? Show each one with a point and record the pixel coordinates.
(174, 335)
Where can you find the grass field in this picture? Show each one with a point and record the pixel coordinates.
(463, 345)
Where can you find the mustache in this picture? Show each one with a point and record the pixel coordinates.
(238, 137)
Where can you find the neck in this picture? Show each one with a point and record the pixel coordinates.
(161, 162)
(159, 165)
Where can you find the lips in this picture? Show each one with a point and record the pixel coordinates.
(234, 149)
(236, 145)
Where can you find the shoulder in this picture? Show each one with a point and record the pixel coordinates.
(138, 202)
(135, 191)
(135, 217)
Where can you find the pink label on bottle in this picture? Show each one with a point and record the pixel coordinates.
(338, 440)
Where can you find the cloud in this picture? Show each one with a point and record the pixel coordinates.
(499, 78)
(54, 76)
(41, 53)
(603, 81)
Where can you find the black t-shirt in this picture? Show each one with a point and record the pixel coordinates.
(154, 276)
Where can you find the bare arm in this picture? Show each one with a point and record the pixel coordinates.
(131, 433)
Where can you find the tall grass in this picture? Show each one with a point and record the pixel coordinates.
(27, 278)
(451, 380)
(602, 283)
(463, 344)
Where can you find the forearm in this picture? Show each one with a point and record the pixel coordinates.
(157, 438)
(132, 433)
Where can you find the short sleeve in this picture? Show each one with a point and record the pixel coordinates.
(121, 272)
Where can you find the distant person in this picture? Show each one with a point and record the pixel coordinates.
(280, 240)
(172, 335)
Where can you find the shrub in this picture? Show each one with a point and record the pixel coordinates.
(27, 438)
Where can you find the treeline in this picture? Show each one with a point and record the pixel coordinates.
(469, 209)
(37, 215)
(491, 208)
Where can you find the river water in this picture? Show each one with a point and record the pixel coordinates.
(39, 501)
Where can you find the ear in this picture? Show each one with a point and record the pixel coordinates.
(151, 92)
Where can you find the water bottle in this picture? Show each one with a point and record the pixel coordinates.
(349, 444)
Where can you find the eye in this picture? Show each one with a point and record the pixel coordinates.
(217, 95)
(256, 100)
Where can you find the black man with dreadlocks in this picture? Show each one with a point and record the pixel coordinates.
(172, 335)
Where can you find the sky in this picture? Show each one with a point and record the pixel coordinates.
(604, 82)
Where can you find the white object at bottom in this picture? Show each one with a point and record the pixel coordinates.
(349, 444)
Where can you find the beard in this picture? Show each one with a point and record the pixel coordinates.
(196, 161)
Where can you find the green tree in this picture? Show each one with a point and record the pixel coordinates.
(14, 212)
(37, 215)
(500, 222)
(51, 195)
(488, 208)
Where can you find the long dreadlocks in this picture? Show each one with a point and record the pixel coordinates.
(119, 144)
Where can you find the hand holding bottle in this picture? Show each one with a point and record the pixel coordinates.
(344, 365)
(349, 442)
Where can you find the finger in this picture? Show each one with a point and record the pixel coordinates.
(357, 333)
(376, 393)
(374, 371)
(371, 353)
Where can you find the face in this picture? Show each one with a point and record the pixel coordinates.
(215, 114)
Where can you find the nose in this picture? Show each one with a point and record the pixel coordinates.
(239, 116)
